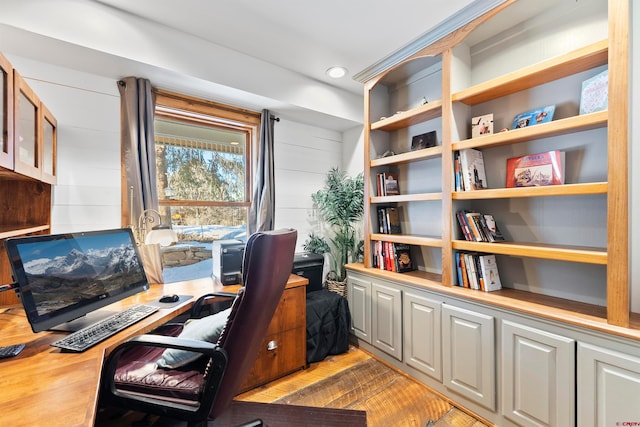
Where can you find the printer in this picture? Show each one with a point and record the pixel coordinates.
(227, 258)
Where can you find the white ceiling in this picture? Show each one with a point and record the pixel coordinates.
(253, 54)
(307, 37)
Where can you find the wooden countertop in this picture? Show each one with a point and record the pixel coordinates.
(43, 385)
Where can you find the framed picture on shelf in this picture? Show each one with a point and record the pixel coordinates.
(536, 170)
(425, 140)
(482, 125)
(534, 117)
(595, 93)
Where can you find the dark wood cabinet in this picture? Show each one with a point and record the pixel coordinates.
(284, 349)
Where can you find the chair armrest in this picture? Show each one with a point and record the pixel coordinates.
(200, 302)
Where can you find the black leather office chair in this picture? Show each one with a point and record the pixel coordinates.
(204, 388)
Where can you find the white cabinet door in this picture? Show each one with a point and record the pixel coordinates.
(608, 387)
(422, 336)
(468, 340)
(538, 376)
(386, 331)
(359, 298)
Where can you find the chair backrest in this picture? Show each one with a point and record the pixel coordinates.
(267, 264)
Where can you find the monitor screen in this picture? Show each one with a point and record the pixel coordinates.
(62, 277)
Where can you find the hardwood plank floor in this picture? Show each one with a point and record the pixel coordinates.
(353, 380)
(356, 380)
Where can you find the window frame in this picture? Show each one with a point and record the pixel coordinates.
(191, 110)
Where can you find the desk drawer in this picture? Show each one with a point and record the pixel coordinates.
(280, 354)
(291, 312)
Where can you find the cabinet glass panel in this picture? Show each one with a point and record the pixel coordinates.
(26, 132)
(48, 148)
(4, 142)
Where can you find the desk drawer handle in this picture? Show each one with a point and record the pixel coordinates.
(272, 345)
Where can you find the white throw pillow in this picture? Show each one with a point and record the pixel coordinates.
(206, 329)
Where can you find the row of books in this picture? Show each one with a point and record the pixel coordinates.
(394, 257)
(477, 271)
(532, 170)
(477, 227)
(389, 220)
(387, 184)
(469, 172)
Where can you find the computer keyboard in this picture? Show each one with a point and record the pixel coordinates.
(91, 335)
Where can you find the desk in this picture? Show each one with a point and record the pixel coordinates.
(42, 385)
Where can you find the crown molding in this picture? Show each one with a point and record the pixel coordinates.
(459, 19)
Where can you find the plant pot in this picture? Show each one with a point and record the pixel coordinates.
(339, 288)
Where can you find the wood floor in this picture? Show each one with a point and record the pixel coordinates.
(353, 380)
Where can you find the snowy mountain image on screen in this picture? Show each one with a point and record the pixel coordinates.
(79, 275)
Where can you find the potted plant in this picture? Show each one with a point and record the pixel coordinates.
(340, 206)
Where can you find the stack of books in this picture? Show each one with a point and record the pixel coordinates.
(394, 257)
(477, 271)
(389, 220)
(477, 227)
(469, 172)
(387, 184)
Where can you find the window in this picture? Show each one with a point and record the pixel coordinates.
(203, 161)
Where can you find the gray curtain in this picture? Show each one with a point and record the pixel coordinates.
(136, 123)
(262, 212)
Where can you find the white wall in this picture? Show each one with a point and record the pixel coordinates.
(303, 155)
(87, 196)
(87, 108)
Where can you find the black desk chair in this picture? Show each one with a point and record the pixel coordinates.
(202, 389)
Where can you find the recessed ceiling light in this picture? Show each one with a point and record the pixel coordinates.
(336, 72)
(234, 143)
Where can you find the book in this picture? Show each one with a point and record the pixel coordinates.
(472, 170)
(482, 125)
(403, 259)
(425, 140)
(595, 93)
(389, 220)
(456, 258)
(456, 171)
(489, 269)
(471, 271)
(463, 268)
(387, 184)
(464, 226)
(393, 220)
(391, 187)
(536, 169)
(473, 226)
(533, 117)
(491, 229)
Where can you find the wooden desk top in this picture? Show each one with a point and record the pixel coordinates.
(44, 385)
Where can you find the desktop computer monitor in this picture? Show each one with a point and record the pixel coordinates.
(62, 277)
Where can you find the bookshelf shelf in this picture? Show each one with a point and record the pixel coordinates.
(408, 157)
(545, 130)
(407, 118)
(546, 191)
(535, 250)
(423, 197)
(547, 71)
(433, 242)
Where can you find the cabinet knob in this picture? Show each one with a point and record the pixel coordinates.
(272, 345)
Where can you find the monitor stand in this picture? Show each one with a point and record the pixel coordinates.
(82, 322)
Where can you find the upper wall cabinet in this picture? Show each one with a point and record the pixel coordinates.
(566, 245)
(27, 129)
(34, 134)
(6, 113)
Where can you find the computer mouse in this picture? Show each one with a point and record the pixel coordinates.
(170, 298)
